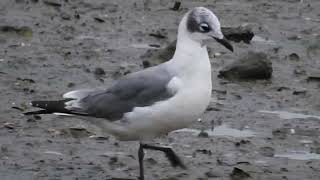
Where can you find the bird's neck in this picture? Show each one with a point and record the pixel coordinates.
(190, 56)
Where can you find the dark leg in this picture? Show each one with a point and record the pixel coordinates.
(141, 155)
(170, 154)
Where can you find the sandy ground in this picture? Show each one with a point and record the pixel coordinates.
(266, 129)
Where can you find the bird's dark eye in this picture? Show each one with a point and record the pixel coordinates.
(204, 27)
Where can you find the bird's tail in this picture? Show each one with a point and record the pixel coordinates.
(49, 107)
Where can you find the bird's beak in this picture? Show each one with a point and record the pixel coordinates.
(224, 42)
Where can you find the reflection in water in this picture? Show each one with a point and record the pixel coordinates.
(299, 155)
(289, 115)
(222, 130)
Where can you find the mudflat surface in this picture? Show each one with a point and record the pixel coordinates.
(266, 129)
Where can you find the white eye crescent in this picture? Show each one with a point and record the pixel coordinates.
(204, 27)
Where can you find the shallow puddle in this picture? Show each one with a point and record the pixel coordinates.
(262, 40)
(289, 115)
(222, 130)
(299, 155)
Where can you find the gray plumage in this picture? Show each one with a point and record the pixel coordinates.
(138, 89)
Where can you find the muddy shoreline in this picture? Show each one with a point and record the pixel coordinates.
(264, 129)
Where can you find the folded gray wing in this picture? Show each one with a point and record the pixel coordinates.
(139, 89)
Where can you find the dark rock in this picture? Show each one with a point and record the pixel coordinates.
(70, 85)
(146, 64)
(176, 6)
(267, 151)
(203, 134)
(251, 66)
(313, 76)
(294, 57)
(99, 72)
(239, 174)
(238, 34)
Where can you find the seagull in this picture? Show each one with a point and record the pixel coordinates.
(155, 101)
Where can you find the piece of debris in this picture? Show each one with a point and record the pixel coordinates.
(17, 108)
(302, 91)
(103, 138)
(9, 125)
(98, 19)
(250, 66)
(24, 31)
(55, 3)
(239, 174)
(176, 6)
(155, 45)
(158, 35)
(313, 76)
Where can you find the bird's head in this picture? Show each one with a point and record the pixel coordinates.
(201, 24)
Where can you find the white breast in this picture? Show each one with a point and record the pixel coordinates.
(193, 94)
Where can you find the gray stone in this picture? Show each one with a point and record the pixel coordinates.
(251, 66)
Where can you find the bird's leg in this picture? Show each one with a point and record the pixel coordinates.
(170, 154)
(141, 156)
